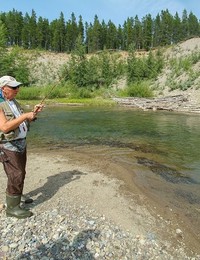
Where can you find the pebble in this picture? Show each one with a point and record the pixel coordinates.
(77, 233)
(178, 231)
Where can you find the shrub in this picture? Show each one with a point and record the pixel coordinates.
(139, 89)
(14, 63)
(143, 68)
(54, 91)
(94, 72)
(29, 93)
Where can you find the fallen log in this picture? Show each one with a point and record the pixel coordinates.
(169, 103)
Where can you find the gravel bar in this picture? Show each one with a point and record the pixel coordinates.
(73, 232)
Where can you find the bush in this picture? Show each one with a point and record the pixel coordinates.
(95, 72)
(54, 91)
(139, 89)
(144, 68)
(15, 64)
(29, 93)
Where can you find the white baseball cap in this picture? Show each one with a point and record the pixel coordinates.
(9, 81)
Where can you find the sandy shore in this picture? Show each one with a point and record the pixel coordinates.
(82, 176)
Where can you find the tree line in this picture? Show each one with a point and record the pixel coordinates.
(62, 35)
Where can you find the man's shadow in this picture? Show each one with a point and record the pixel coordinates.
(63, 249)
(49, 189)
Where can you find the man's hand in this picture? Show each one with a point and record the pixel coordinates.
(31, 116)
(38, 108)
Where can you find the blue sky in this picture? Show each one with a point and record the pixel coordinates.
(115, 10)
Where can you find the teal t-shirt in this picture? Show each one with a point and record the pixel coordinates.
(1, 96)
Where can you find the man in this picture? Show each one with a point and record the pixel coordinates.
(14, 124)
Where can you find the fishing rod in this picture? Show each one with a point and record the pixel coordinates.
(45, 97)
(42, 101)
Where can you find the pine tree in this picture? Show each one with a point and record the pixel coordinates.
(147, 31)
(176, 29)
(111, 39)
(43, 33)
(138, 33)
(25, 32)
(61, 32)
(94, 36)
(80, 29)
(130, 33)
(184, 27)
(33, 30)
(14, 25)
(157, 31)
(103, 36)
(72, 32)
(124, 36)
(166, 28)
(193, 25)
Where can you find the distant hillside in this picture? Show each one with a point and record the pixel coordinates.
(181, 80)
(187, 78)
(180, 74)
(46, 65)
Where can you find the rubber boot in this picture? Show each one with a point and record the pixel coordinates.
(14, 209)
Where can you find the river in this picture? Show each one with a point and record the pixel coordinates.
(164, 145)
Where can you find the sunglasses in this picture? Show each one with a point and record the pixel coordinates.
(13, 87)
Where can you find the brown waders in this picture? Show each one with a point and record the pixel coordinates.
(14, 164)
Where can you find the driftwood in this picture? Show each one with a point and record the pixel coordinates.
(169, 103)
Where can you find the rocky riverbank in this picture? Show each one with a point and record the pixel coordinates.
(82, 212)
(71, 232)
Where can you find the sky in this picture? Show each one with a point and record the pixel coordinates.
(115, 10)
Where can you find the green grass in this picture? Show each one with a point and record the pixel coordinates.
(84, 102)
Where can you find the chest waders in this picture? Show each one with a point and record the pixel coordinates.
(13, 208)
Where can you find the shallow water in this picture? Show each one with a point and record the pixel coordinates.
(159, 149)
(174, 138)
